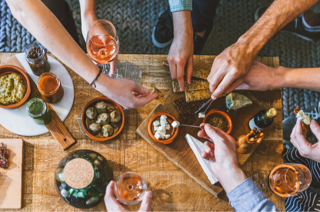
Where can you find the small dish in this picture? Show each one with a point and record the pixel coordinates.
(220, 113)
(91, 104)
(9, 69)
(170, 119)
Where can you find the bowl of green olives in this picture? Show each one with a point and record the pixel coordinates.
(102, 119)
(82, 187)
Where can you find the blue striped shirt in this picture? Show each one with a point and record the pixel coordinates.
(177, 5)
(248, 197)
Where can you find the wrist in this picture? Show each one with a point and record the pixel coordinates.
(103, 83)
(280, 78)
(231, 177)
(182, 23)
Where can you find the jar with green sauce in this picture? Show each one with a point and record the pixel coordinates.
(38, 110)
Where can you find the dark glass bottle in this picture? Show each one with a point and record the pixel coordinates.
(263, 119)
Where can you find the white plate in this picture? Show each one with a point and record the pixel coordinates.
(18, 121)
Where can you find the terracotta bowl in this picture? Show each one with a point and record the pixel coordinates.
(221, 113)
(91, 104)
(170, 118)
(9, 69)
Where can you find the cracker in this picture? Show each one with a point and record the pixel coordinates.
(160, 95)
(192, 96)
(195, 85)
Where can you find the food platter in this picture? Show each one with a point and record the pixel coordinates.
(18, 121)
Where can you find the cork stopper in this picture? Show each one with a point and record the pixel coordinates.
(78, 173)
(272, 112)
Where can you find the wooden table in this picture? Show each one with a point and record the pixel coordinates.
(172, 188)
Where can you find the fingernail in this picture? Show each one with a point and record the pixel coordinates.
(149, 194)
(313, 122)
(213, 97)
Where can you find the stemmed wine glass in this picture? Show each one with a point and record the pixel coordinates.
(102, 43)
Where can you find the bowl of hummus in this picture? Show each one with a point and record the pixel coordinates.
(15, 87)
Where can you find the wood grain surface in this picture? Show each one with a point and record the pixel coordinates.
(11, 178)
(173, 189)
(56, 127)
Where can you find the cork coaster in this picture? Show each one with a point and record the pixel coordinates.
(78, 173)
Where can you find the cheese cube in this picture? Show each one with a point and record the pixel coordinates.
(157, 135)
(201, 115)
(167, 126)
(175, 124)
(166, 136)
(163, 120)
(156, 123)
(155, 128)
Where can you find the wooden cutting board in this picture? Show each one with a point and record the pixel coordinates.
(56, 127)
(11, 178)
(179, 151)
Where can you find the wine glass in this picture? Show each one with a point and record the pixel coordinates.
(289, 179)
(102, 44)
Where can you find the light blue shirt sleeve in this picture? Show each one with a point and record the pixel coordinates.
(178, 5)
(248, 197)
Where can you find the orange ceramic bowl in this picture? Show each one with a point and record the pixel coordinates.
(170, 119)
(220, 113)
(9, 69)
(91, 104)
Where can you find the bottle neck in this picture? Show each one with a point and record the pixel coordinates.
(269, 114)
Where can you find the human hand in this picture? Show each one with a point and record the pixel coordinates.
(229, 69)
(180, 55)
(261, 77)
(125, 92)
(306, 149)
(112, 204)
(222, 155)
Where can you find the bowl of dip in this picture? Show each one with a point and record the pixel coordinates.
(15, 87)
(219, 119)
(171, 132)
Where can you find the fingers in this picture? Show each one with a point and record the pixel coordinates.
(208, 151)
(113, 65)
(243, 86)
(180, 74)
(215, 134)
(299, 141)
(224, 85)
(110, 192)
(202, 134)
(315, 128)
(146, 202)
(110, 201)
(215, 76)
(189, 69)
(140, 90)
(233, 86)
(173, 68)
(142, 101)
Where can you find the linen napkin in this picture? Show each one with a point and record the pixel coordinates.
(196, 147)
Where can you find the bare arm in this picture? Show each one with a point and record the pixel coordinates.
(88, 15)
(44, 26)
(231, 66)
(262, 77)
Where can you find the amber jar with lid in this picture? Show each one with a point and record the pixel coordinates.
(50, 87)
(37, 58)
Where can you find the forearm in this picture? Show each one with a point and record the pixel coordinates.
(182, 22)
(280, 13)
(88, 15)
(47, 29)
(305, 78)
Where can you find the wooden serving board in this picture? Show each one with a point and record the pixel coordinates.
(56, 127)
(179, 151)
(11, 178)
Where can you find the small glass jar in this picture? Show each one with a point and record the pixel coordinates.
(92, 194)
(37, 59)
(38, 110)
(130, 188)
(50, 88)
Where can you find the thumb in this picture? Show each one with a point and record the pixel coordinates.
(215, 134)
(315, 128)
(140, 90)
(146, 202)
(242, 86)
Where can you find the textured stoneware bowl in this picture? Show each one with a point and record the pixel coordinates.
(91, 104)
(221, 113)
(9, 69)
(157, 116)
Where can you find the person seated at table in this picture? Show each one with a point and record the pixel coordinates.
(188, 31)
(242, 192)
(44, 25)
